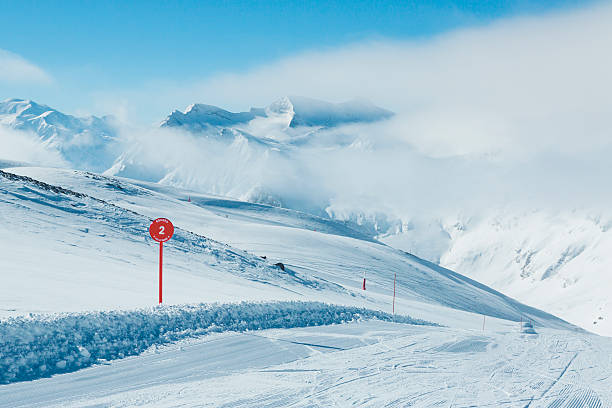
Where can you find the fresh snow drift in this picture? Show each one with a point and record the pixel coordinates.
(39, 346)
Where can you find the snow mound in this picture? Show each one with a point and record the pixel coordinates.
(41, 345)
(528, 328)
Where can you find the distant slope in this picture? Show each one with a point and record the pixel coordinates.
(556, 260)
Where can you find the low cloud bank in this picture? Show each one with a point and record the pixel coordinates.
(14, 68)
(17, 146)
(517, 111)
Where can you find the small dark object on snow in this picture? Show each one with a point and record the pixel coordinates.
(264, 257)
(280, 265)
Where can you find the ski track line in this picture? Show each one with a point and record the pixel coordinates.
(298, 342)
(562, 347)
(338, 384)
(555, 381)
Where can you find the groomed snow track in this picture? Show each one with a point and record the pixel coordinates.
(42, 345)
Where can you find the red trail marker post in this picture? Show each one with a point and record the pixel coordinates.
(394, 278)
(161, 230)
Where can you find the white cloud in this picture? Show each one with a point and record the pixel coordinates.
(516, 111)
(541, 82)
(23, 147)
(14, 68)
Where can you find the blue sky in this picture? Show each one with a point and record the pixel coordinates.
(88, 47)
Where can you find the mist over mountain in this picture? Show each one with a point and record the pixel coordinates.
(263, 155)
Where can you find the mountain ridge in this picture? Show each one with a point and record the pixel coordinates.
(300, 111)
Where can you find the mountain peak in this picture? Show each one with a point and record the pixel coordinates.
(17, 106)
(199, 116)
(64, 132)
(282, 106)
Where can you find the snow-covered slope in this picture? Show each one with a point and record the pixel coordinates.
(86, 143)
(101, 254)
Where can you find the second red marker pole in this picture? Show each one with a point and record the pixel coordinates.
(161, 262)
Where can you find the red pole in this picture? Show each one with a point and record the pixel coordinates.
(394, 276)
(161, 251)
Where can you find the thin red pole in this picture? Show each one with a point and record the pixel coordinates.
(394, 276)
(161, 251)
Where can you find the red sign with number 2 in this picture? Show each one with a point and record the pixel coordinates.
(161, 230)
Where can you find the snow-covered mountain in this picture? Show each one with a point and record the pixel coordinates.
(199, 116)
(238, 154)
(557, 260)
(85, 143)
(295, 110)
